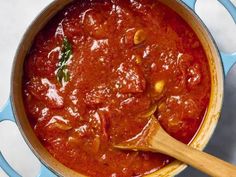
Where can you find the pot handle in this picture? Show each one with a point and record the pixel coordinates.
(7, 168)
(46, 172)
(230, 8)
(190, 3)
(228, 61)
(7, 114)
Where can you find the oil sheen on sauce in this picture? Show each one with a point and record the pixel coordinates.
(97, 72)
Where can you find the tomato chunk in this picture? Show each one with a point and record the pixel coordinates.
(130, 79)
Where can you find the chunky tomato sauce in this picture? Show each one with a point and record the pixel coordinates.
(98, 71)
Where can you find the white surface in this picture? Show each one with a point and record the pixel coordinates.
(16, 15)
(219, 22)
(16, 151)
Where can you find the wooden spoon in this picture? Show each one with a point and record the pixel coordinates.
(153, 138)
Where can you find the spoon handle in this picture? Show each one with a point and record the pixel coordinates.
(195, 158)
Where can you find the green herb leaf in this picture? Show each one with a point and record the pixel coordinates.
(62, 71)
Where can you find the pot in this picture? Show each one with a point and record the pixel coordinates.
(199, 141)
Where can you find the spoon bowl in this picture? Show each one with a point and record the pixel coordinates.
(154, 138)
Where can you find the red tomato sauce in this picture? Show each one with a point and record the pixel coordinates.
(99, 69)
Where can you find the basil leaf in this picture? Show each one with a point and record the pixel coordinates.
(62, 71)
